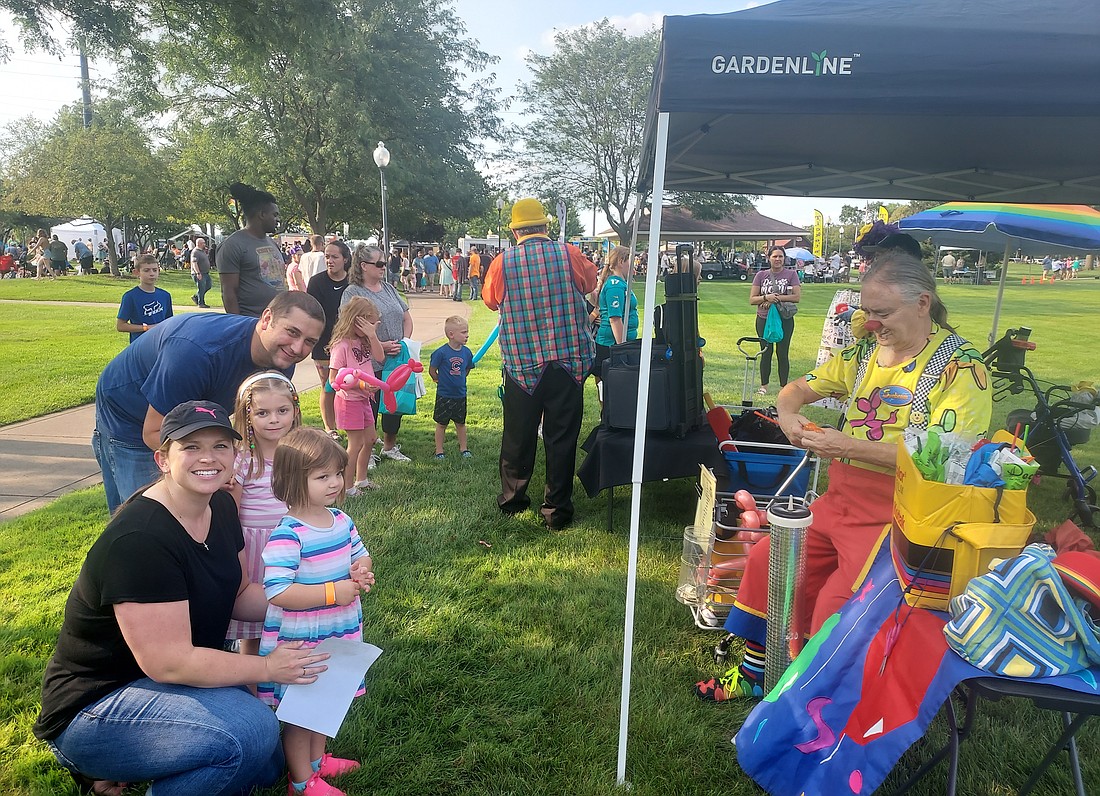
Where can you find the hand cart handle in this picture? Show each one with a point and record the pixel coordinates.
(750, 355)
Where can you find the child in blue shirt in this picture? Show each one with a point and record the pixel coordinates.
(448, 368)
(146, 305)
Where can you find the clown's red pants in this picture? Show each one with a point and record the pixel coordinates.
(848, 520)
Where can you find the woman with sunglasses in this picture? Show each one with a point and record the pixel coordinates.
(328, 287)
(368, 278)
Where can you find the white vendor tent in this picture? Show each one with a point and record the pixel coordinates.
(84, 228)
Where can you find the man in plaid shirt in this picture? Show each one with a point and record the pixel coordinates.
(546, 344)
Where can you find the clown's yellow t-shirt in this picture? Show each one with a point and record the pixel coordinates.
(881, 409)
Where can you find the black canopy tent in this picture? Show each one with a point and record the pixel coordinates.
(987, 100)
(983, 100)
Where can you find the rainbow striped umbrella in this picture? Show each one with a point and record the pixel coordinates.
(1031, 229)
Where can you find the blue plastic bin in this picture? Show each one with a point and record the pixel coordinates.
(762, 473)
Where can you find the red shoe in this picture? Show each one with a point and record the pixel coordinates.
(335, 766)
(315, 787)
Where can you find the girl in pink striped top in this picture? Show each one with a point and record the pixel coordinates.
(266, 411)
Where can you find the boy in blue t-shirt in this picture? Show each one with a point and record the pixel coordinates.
(448, 368)
(146, 305)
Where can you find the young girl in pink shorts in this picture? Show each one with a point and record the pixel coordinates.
(355, 344)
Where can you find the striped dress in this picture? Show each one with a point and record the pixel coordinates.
(260, 512)
(303, 553)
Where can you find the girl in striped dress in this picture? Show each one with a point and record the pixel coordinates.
(265, 412)
(315, 567)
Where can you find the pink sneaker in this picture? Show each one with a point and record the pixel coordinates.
(335, 766)
(315, 787)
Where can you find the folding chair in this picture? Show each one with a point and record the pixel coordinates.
(1075, 708)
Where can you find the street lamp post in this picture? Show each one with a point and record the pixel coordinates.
(500, 206)
(382, 160)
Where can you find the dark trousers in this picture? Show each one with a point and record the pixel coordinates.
(558, 402)
(782, 352)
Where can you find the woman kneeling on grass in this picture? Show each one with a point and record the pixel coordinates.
(138, 688)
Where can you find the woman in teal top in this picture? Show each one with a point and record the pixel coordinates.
(613, 293)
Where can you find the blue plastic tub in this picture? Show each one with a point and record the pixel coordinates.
(762, 473)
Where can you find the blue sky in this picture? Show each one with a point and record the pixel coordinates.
(39, 84)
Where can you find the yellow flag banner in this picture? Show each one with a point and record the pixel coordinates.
(883, 214)
(819, 233)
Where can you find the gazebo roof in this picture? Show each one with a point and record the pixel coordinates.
(679, 224)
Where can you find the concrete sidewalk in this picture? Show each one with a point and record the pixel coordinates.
(43, 458)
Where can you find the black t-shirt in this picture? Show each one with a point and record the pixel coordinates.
(328, 294)
(395, 264)
(143, 556)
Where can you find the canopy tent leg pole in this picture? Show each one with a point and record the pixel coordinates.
(639, 436)
(1000, 294)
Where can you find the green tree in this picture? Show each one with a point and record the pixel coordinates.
(587, 103)
(112, 24)
(299, 106)
(107, 171)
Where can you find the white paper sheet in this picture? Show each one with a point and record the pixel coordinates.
(322, 705)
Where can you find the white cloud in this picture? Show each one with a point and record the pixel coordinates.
(633, 25)
(638, 23)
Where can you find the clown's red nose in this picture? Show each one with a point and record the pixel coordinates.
(872, 326)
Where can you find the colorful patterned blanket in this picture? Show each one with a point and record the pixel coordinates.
(845, 711)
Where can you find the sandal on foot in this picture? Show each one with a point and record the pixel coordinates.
(762, 391)
(87, 785)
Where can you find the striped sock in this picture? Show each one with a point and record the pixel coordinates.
(752, 666)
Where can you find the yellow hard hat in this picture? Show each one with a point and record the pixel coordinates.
(528, 213)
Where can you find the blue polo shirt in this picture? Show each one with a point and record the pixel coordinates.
(191, 357)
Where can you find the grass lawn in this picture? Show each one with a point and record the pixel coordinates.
(104, 288)
(503, 660)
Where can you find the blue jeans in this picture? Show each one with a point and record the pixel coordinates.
(202, 284)
(186, 740)
(475, 285)
(126, 467)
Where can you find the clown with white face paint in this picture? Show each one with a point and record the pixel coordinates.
(911, 370)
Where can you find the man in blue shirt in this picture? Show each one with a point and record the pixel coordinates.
(188, 358)
(84, 256)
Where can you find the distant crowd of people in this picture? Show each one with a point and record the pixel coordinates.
(46, 256)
